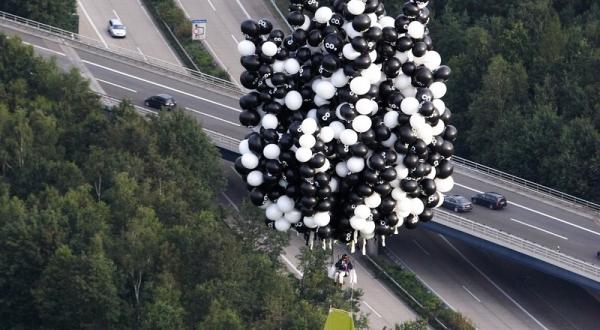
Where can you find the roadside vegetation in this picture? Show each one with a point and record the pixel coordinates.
(110, 220)
(169, 13)
(58, 13)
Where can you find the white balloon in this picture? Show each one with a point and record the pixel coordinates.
(322, 219)
(293, 100)
(269, 121)
(401, 171)
(339, 78)
(278, 66)
(440, 198)
(350, 31)
(357, 223)
(373, 201)
(364, 106)
(356, 7)
(417, 120)
(309, 222)
(425, 133)
(390, 141)
(306, 23)
(255, 178)
(438, 128)
(246, 48)
(416, 30)
(243, 147)
(291, 66)
(355, 164)
(319, 101)
(366, 236)
(410, 91)
(249, 160)
(432, 60)
(390, 119)
(409, 106)
(349, 52)
(395, 183)
(362, 211)
(404, 205)
(348, 137)
(369, 228)
(402, 56)
(307, 141)
(398, 194)
(333, 184)
(269, 48)
(308, 126)
(338, 128)
(417, 206)
(303, 154)
(360, 85)
(266, 204)
(312, 114)
(273, 212)
(439, 105)
(325, 89)
(323, 14)
(438, 89)
(341, 169)
(444, 185)
(282, 225)
(361, 123)
(432, 173)
(271, 151)
(325, 166)
(326, 134)
(292, 216)
(285, 203)
(387, 21)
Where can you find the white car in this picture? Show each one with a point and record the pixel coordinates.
(116, 28)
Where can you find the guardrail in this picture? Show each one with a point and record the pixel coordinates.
(519, 244)
(523, 183)
(100, 48)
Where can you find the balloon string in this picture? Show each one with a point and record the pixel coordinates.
(383, 240)
(311, 240)
(324, 245)
(364, 247)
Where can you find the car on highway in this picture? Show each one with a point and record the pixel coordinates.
(457, 203)
(493, 200)
(116, 29)
(161, 101)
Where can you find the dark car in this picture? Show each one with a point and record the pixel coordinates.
(161, 101)
(457, 203)
(493, 200)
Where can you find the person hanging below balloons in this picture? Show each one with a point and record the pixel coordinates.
(343, 268)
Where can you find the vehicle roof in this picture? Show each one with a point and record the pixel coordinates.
(495, 194)
(165, 96)
(116, 21)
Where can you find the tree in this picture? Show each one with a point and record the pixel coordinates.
(77, 291)
(165, 310)
(57, 13)
(221, 318)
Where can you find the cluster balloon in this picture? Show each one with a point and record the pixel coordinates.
(350, 138)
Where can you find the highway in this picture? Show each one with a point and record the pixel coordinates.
(142, 35)
(223, 26)
(219, 113)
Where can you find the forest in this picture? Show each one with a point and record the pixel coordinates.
(524, 86)
(108, 220)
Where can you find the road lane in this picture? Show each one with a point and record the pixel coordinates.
(142, 35)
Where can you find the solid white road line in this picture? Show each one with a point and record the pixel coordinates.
(243, 9)
(471, 293)
(231, 202)
(213, 117)
(117, 15)
(43, 48)
(183, 8)
(236, 172)
(212, 6)
(538, 228)
(537, 212)
(92, 23)
(291, 265)
(420, 247)
(371, 308)
(160, 85)
(235, 39)
(144, 56)
(493, 283)
(117, 85)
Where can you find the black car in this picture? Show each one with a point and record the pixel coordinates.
(161, 101)
(457, 203)
(493, 200)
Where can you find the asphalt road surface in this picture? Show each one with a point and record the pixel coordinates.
(219, 113)
(142, 35)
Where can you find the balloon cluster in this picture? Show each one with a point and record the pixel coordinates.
(350, 138)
